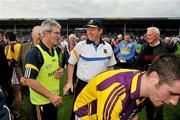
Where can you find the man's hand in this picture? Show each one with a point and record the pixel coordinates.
(68, 86)
(55, 100)
(23, 81)
(59, 73)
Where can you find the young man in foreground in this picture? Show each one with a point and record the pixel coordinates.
(120, 94)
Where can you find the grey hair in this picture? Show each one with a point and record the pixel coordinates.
(155, 29)
(47, 26)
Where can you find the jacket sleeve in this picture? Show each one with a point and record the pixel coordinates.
(18, 64)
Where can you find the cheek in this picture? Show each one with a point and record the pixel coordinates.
(163, 93)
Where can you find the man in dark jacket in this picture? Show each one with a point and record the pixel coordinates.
(4, 110)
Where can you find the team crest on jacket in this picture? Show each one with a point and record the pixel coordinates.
(48, 66)
(105, 50)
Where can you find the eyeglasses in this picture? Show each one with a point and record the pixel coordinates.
(57, 33)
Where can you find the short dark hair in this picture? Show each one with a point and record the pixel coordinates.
(1, 33)
(167, 66)
(11, 36)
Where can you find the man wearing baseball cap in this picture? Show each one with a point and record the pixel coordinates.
(92, 55)
(94, 23)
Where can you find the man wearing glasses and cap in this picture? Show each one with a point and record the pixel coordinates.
(92, 55)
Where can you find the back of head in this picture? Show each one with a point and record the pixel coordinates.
(36, 34)
(167, 66)
(120, 37)
(11, 36)
(46, 26)
(1, 33)
(35, 29)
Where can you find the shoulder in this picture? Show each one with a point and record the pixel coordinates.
(107, 45)
(163, 44)
(26, 45)
(17, 44)
(34, 51)
(145, 45)
(34, 57)
(81, 43)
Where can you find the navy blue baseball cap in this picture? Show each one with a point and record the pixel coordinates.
(94, 23)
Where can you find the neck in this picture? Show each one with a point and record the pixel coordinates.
(155, 43)
(47, 44)
(144, 86)
(97, 41)
(35, 42)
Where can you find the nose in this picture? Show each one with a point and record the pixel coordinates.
(59, 36)
(174, 100)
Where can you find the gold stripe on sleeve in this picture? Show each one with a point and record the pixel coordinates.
(32, 67)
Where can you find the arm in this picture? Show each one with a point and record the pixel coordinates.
(133, 52)
(18, 65)
(35, 85)
(117, 50)
(112, 60)
(110, 68)
(69, 84)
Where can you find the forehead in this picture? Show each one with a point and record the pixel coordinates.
(92, 28)
(174, 86)
(126, 36)
(37, 29)
(55, 28)
(72, 36)
(150, 32)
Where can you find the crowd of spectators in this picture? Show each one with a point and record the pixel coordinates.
(128, 49)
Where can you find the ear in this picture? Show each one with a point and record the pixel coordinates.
(154, 77)
(101, 31)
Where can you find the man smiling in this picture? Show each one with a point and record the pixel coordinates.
(42, 73)
(92, 56)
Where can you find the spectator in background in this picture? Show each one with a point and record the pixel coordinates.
(142, 40)
(12, 53)
(4, 72)
(20, 69)
(171, 43)
(2, 42)
(138, 48)
(107, 39)
(63, 43)
(116, 41)
(83, 37)
(150, 50)
(72, 41)
(125, 52)
(4, 110)
(43, 73)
